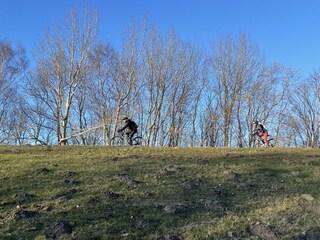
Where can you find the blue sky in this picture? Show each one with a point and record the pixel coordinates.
(286, 31)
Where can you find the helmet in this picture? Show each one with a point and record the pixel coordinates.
(255, 122)
(125, 118)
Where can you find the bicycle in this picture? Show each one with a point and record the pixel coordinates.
(121, 140)
(259, 141)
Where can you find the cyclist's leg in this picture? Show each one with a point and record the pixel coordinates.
(265, 137)
(129, 141)
(131, 136)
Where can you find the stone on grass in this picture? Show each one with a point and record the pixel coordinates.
(307, 197)
(191, 184)
(172, 237)
(230, 176)
(109, 195)
(22, 197)
(309, 235)
(57, 229)
(263, 231)
(170, 169)
(177, 208)
(141, 223)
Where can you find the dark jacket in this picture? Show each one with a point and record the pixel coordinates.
(129, 124)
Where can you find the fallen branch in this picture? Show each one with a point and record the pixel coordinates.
(73, 135)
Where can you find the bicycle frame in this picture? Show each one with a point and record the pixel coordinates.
(121, 140)
(259, 141)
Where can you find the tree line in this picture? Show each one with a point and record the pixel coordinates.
(178, 92)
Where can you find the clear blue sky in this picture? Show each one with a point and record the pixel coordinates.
(286, 31)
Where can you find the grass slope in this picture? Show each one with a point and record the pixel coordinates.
(159, 193)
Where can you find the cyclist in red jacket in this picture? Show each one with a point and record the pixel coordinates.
(261, 131)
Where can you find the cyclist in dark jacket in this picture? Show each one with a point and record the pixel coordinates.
(132, 128)
(261, 132)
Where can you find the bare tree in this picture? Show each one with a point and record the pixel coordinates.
(210, 120)
(157, 60)
(171, 73)
(126, 80)
(61, 60)
(12, 64)
(184, 91)
(305, 107)
(104, 62)
(267, 98)
(115, 83)
(234, 63)
(210, 127)
(40, 129)
(80, 90)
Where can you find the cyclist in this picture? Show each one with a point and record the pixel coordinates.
(132, 128)
(261, 131)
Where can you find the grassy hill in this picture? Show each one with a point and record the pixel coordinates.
(159, 193)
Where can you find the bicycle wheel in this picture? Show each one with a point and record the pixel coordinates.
(138, 141)
(118, 141)
(271, 142)
(258, 142)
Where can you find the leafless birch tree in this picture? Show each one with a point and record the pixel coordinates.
(306, 110)
(104, 62)
(61, 60)
(171, 73)
(233, 63)
(12, 64)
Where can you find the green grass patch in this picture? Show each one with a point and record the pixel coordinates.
(158, 193)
